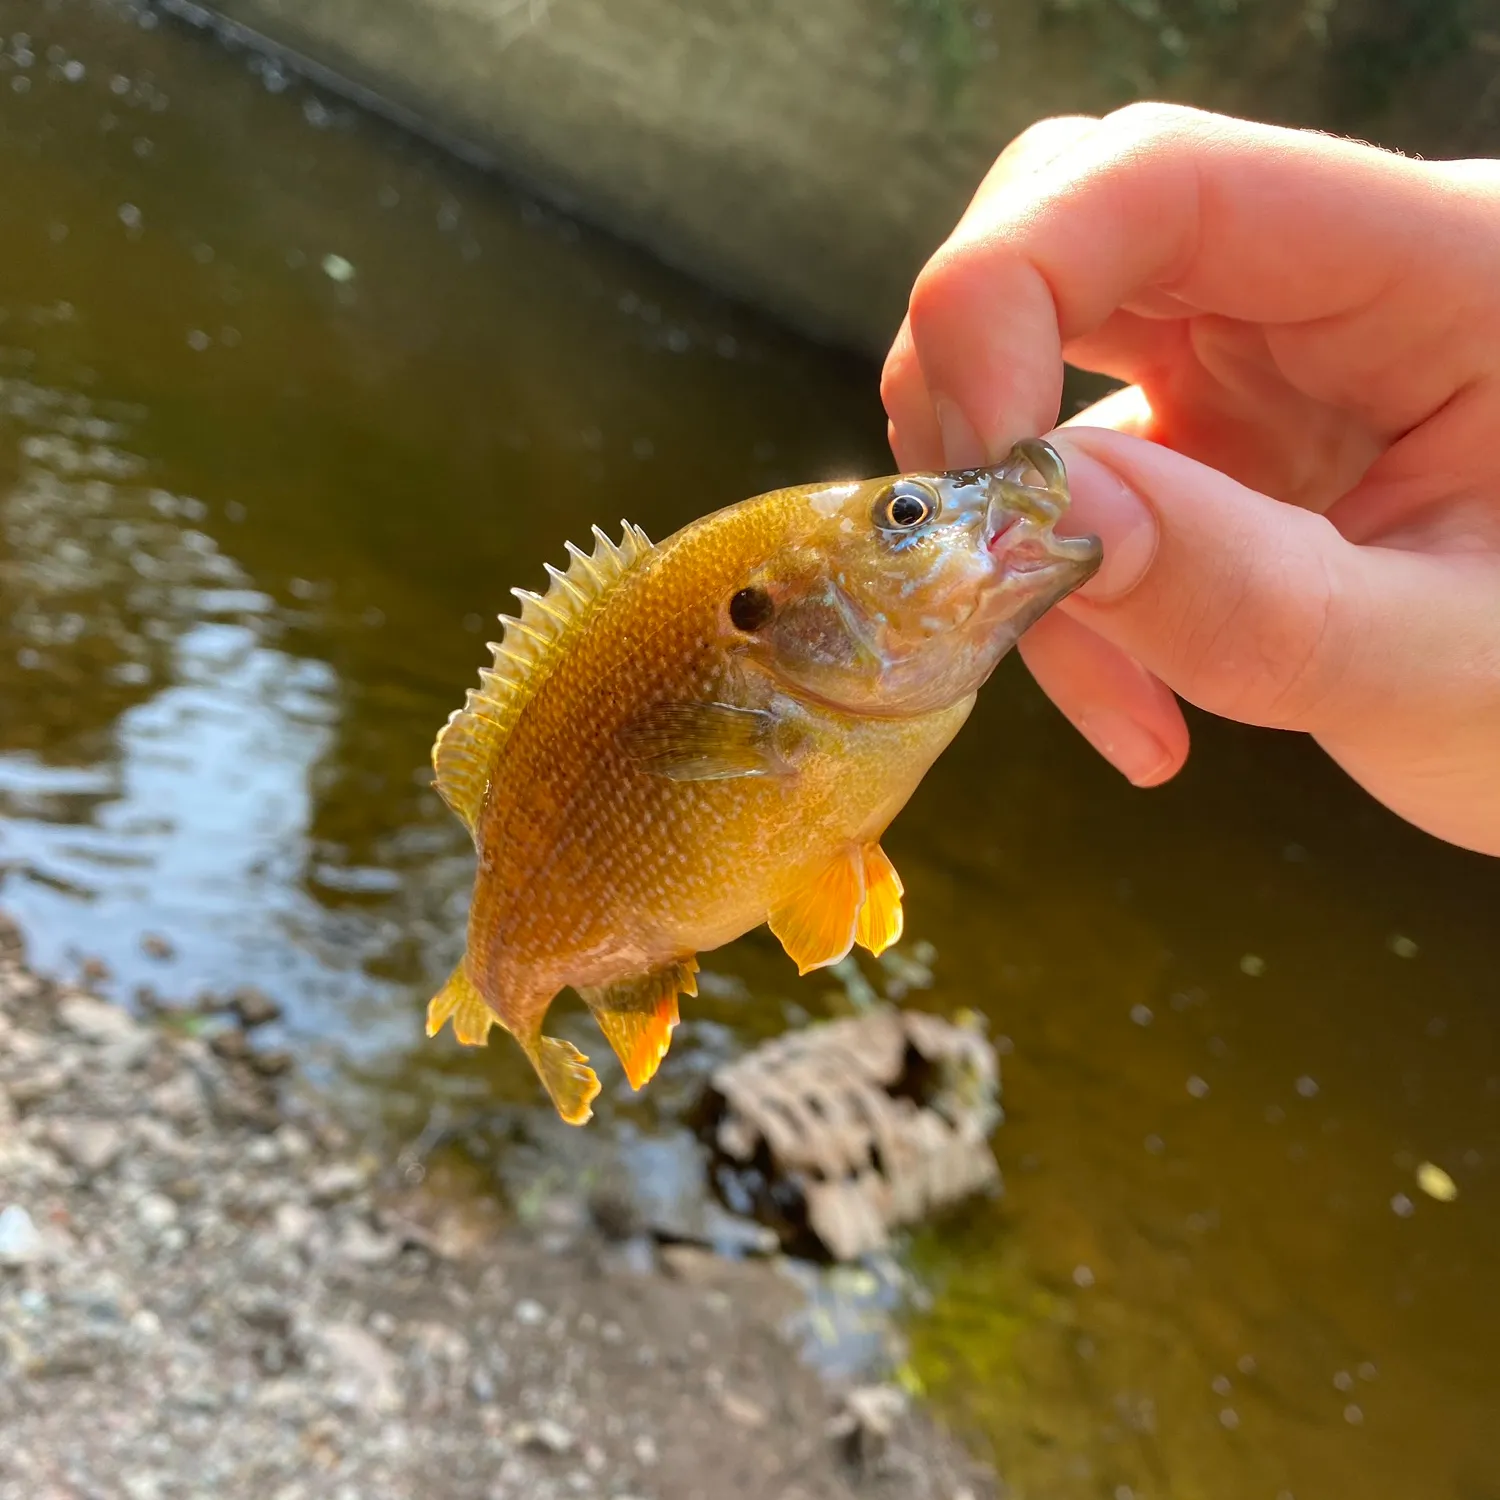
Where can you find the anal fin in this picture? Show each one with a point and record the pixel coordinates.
(460, 1001)
(817, 926)
(637, 1016)
(880, 917)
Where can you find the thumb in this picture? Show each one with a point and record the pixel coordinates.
(1245, 606)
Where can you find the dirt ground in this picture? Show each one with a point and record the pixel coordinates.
(205, 1291)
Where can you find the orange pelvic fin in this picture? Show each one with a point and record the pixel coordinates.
(880, 918)
(637, 1016)
(460, 1001)
(568, 1078)
(817, 926)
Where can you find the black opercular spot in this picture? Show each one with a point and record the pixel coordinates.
(750, 610)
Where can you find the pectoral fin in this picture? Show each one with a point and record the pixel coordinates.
(637, 1016)
(817, 926)
(704, 742)
(880, 918)
(460, 1001)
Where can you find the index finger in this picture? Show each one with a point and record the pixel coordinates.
(1374, 272)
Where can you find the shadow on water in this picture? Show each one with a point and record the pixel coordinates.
(286, 405)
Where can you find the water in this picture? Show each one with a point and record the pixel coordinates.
(287, 404)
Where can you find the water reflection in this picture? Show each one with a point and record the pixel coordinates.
(286, 406)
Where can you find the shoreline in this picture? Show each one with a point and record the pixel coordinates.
(207, 1287)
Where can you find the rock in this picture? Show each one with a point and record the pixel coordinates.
(530, 1314)
(272, 1062)
(96, 1020)
(254, 1007)
(230, 1045)
(38, 1084)
(295, 1223)
(21, 1242)
(742, 1410)
(156, 1212)
(180, 1099)
(94, 971)
(154, 945)
(340, 1180)
(89, 1145)
(360, 1245)
(363, 1370)
(544, 1436)
(864, 1426)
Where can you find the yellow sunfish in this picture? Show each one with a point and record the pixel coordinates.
(680, 741)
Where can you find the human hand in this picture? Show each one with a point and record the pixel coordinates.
(1299, 490)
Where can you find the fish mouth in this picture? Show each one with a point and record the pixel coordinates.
(1028, 496)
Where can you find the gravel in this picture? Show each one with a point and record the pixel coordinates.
(207, 1290)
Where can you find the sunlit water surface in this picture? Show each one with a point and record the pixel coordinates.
(288, 403)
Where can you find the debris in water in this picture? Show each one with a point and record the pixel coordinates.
(851, 1129)
(336, 268)
(1402, 946)
(1253, 965)
(1436, 1183)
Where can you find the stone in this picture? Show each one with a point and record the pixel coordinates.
(864, 1426)
(363, 1370)
(545, 1436)
(90, 1145)
(36, 1085)
(156, 1212)
(180, 1099)
(254, 1007)
(154, 945)
(360, 1245)
(96, 1020)
(21, 1242)
(331, 1183)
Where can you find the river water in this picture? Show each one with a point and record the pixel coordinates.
(288, 402)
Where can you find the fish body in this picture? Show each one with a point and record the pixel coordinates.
(681, 741)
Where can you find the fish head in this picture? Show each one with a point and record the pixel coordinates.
(899, 596)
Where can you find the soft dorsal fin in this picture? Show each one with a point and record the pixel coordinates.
(463, 755)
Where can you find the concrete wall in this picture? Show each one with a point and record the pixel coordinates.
(804, 154)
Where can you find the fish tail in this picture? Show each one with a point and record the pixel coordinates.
(459, 1001)
(567, 1077)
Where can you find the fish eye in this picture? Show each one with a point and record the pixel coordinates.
(751, 610)
(904, 506)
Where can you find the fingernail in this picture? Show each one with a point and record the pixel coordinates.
(1129, 747)
(1106, 506)
(961, 446)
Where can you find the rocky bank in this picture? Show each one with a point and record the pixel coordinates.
(207, 1288)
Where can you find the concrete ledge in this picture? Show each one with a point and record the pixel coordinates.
(806, 155)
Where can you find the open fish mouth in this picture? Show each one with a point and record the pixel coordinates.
(1028, 496)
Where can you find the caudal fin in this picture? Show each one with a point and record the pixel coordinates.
(460, 1001)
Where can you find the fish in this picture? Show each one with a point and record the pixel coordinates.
(680, 741)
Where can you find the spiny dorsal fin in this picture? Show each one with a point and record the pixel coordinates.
(463, 755)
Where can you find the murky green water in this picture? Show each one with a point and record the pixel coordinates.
(287, 404)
